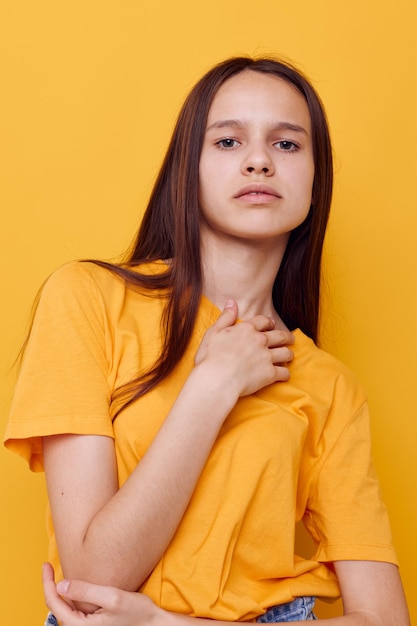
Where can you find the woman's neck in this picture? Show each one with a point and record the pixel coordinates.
(243, 272)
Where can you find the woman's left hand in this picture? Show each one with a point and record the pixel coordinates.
(117, 607)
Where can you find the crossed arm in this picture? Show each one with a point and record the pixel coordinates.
(96, 540)
(372, 596)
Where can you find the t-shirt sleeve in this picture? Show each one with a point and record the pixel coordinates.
(63, 381)
(346, 514)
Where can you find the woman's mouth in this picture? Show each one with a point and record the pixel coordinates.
(257, 194)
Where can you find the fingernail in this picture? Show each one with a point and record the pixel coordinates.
(229, 304)
(63, 586)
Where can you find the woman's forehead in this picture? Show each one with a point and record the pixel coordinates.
(252, 95)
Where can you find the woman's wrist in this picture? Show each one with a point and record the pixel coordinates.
(166, 618)
(216, 383)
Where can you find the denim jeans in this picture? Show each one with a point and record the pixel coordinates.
(301, 609)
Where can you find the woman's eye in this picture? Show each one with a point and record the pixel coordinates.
(227, 142)
(287, 146)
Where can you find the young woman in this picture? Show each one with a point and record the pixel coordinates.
(184, 416)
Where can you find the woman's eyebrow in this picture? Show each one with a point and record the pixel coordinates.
(224, 123)
(289, 126)
(239, 124)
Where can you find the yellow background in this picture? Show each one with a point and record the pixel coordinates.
(89, 93)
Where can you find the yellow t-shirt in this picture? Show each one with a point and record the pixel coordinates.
(296, 450)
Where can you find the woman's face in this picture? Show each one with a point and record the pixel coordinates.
(256, 165)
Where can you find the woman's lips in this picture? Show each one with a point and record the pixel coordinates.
(257, 194)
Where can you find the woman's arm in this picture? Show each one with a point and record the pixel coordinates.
(371, 592)
(115, 537)
(372, 596)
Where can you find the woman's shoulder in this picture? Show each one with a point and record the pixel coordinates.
(91, 274)
(317, 369)
(71, 275)
(79, 273)
(110, 293)
(76, 284)
(312, 354)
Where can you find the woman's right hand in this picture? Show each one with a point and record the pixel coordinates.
(249, 355)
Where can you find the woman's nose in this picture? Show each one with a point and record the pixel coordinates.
(251, 168)
(258, 161)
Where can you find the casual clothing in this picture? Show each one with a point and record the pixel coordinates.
(296, 450)
(301, 609)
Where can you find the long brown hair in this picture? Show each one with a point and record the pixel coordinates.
(170, 226)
